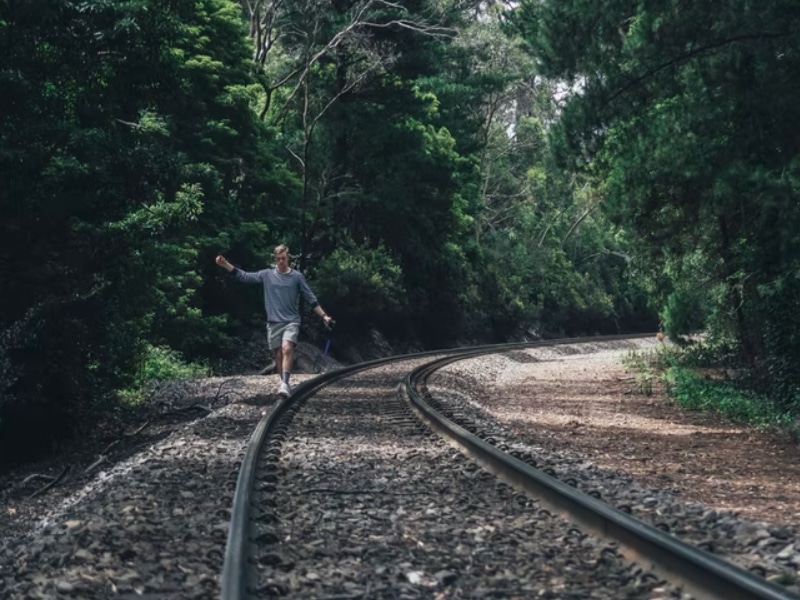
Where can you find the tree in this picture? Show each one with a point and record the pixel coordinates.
(124, 129)
(684, 111)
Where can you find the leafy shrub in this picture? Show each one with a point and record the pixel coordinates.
(160, 363)
(683, 313)
(360, 286)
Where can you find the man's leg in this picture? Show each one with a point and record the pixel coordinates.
(278, 360)
(274, 341)
(284, 353)
(287, 357)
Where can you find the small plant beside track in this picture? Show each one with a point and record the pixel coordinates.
(648, 366)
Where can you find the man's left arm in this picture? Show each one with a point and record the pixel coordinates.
(325, 316)
(311, 298)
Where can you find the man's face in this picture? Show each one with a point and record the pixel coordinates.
(282, 261)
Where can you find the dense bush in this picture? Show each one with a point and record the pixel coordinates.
(362, 287)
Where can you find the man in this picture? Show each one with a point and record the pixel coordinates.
(283, 287)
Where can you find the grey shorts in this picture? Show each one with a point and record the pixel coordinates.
(277, 332)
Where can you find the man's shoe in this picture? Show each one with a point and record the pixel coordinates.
(285, 389)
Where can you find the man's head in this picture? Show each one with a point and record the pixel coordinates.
(282, 257)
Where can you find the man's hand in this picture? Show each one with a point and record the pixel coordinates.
(329, 322)
(223, 262)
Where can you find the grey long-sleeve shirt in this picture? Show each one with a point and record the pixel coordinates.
(282, 292)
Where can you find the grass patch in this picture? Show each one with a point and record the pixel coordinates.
(648, 365)
(161, 364)
(695, 392)
(701, 377)
(656, 359)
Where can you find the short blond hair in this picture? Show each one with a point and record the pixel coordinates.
(280, 248)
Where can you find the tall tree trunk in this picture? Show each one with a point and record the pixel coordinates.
(736, 296)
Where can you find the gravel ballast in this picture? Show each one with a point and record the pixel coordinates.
(155, 524)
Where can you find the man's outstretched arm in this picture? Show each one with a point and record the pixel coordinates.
(244, 276)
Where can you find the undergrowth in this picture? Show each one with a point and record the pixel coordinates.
(698, 393)
(697, 382)
(161, 364)
(648, 365)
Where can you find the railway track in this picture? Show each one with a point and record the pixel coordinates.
(361, 488)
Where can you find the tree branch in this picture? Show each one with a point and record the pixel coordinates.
(53, 483)
(691, 54)
(576, 223)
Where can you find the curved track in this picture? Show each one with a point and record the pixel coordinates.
(291, 490)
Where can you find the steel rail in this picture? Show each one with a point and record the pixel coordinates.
(237, 578)
(704, 575)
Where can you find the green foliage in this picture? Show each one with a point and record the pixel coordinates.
(644, 383)
(697, 393)
(123, 133)
(700, 376)
(655, 360)
(160, 364)
(410, 168)
(683, 116)
(362, 286)
(489, 235)
(683, 313)
(781, 337)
